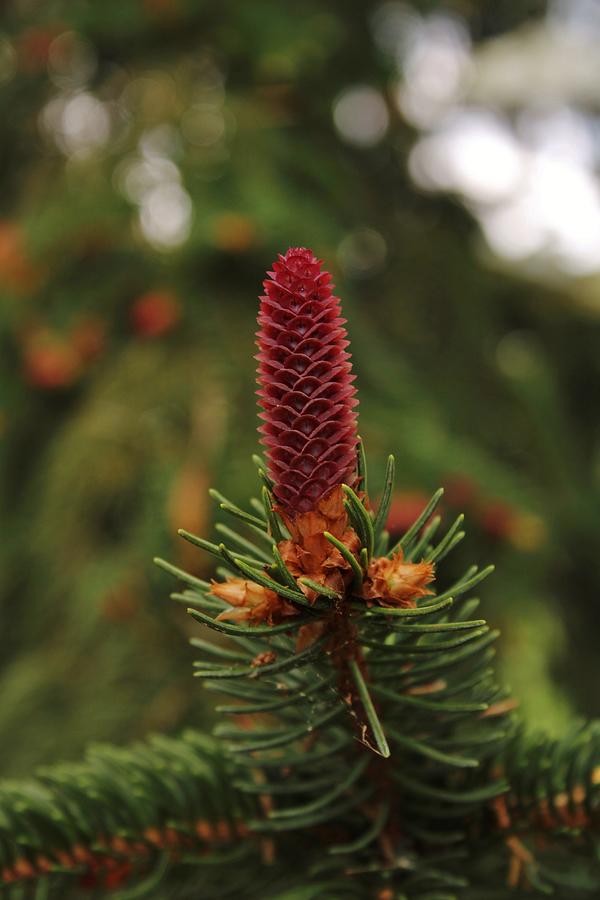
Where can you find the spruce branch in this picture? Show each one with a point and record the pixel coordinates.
(322, 675)
(348, 648)
(368, 750)
(121, 815)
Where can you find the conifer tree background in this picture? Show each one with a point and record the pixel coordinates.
(154, 156)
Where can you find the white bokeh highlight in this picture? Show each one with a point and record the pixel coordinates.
(510, 127)
(79, 124)
(474, 154)
(433, 58)
(361, 116)
(166, 215)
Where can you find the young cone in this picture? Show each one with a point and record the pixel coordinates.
(305, 382)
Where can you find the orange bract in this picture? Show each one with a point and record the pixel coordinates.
(309, 553)
(250, 602)
(394, 582)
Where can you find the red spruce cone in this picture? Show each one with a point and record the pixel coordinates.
(305, 383)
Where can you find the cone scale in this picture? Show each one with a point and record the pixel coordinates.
(306, 392)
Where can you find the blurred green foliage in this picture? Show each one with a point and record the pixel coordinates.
(155, 156)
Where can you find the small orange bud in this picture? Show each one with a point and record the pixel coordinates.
(252, 602)
(263, 659)
(153, 836)
(204, 830)
(23, 868)
(393, 582)
(81, 853)
(119, 845)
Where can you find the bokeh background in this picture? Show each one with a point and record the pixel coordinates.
(155, 155)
